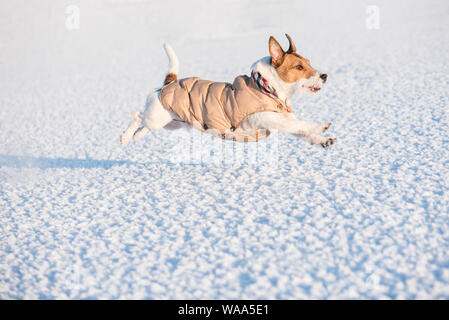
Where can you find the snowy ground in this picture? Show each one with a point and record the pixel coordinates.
(83, 217)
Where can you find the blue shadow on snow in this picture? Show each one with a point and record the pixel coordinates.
(46, 163)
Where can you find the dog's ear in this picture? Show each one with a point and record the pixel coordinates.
(276, 52)
(292, 47)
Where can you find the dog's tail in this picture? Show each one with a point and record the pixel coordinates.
(173, 70)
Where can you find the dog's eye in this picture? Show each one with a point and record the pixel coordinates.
(299, 67)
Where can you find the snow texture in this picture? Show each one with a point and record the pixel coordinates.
(83, 217)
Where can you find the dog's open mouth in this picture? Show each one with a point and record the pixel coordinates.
(314, 88)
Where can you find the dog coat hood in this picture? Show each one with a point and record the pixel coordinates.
(219, 107)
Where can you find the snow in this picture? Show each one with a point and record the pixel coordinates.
(83, 217)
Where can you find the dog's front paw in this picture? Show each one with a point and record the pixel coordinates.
(322, 127)
(328, 142)
(124, 138)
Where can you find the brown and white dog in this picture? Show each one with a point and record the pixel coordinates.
(284, 72)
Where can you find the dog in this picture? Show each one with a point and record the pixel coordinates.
(249, 107)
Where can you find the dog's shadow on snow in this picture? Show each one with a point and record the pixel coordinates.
(46, 163)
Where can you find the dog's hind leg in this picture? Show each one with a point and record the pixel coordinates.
(128, 134)
(142, 131)
(317, 140)
(154, 117)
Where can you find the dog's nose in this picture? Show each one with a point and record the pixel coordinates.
(324, 77)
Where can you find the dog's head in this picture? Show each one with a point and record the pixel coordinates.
(294, 70)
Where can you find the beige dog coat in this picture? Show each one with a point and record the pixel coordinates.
(219, 107)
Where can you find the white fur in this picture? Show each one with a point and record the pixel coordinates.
(156, 116)
(172, 59)
(264, 67)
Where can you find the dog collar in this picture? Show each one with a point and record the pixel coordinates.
(266, 88)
